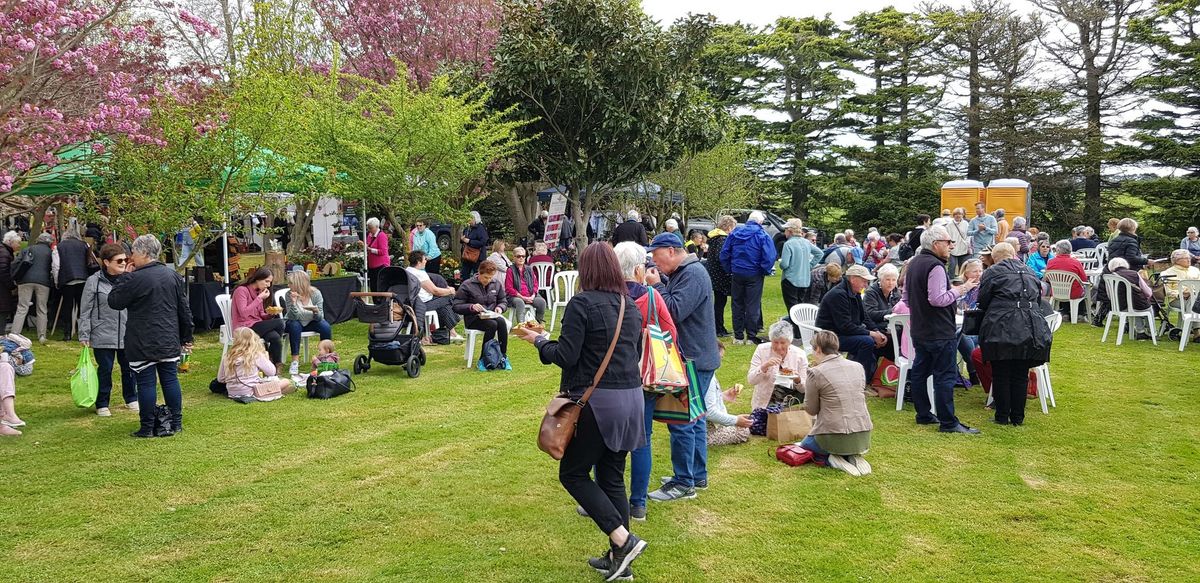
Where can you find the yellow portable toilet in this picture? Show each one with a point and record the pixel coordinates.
(961, 193)
(1010, 194)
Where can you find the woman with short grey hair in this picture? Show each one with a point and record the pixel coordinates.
(8, 287)
(475, 237)
(378, 252)
(1062, 247)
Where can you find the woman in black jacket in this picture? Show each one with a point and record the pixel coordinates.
(8, 287)
(721, 280)
(1014, 336)
(1126, 245)
(475, 237)
(612, 422)
(484, 293)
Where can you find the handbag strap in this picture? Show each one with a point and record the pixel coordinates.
(607, 356)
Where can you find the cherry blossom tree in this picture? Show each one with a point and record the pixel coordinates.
(427, 36)
(70, 71)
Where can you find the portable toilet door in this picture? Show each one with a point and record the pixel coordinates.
(962, 193)
(1010, 194)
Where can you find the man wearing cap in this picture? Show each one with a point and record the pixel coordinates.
(689, 298)
(842, 313)
(748, 255)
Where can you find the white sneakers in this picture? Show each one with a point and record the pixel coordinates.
(104, 412)
(855, 465)
(133, 406)
(843, 464)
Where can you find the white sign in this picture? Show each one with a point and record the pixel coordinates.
(554, 223)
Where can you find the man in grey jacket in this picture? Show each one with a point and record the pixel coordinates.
(34, 284)
(688, 295)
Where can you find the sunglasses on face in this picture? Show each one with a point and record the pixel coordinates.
(120, 261)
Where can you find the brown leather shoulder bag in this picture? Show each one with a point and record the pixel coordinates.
(562, 414)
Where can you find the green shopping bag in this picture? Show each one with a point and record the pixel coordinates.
(686, 407)
(85, 384)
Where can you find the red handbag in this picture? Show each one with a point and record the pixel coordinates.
(793, 455)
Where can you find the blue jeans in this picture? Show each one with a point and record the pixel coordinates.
(820, 456)
(294, 328)
(966, 345)
(640, 461)
(689, 444)
(104, 363)
(168, 377)
(861, 349)
(747, 305)
(935, 358)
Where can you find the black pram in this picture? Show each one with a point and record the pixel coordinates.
(390, 340)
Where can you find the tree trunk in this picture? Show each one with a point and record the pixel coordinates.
(974, 129)
(1095, 152)
(799, 187)
(39, 216)
(879, 139)
(302, 228)
(579, 210)
(522, 202)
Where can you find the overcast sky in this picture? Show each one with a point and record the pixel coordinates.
(766, 11)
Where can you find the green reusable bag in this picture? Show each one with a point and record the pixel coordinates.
(85, 384)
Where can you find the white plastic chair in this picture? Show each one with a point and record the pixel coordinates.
(225, 304)
(1061, 283)
(1041, 372)
(1187, 316)
(897, 324)
(561, 293)
(280, 298)
(804, 316)
(543, 274)
(1117, 287)
(1102, 254)
(471, 336)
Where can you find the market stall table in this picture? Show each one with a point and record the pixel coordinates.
(202, 298)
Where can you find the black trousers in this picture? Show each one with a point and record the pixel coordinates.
(372, 275)
(434, 265)
(792, 295)
(604, 498)
(271, 331)
(493, 328)
(1010, 382)
(719, 301)
(69, 299)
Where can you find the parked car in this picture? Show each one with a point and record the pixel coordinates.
(773, 224)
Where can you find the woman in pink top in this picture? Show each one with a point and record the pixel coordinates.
(248, 312)
(247, 372)
(378, 256)
(777, 357)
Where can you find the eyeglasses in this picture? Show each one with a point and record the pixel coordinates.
(944, 241)
(520, 256)
(121, 261)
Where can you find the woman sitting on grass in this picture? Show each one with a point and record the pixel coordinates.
(248, 372)
(833, 395)
(9, 422)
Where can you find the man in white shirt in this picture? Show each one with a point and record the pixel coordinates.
(433, 297)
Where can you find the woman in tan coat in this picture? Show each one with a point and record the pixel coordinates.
(833, 394)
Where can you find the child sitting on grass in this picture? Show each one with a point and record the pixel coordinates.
(247, 370)
(326, 359)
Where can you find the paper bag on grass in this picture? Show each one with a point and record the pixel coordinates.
(788, 426)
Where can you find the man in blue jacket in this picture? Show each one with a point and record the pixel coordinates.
(748, 255)
(689, 298)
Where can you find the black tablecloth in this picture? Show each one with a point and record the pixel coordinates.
(202, 298)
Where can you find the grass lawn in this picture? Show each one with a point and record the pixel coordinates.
(439, 479)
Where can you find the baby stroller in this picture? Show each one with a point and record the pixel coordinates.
(1157, 305)
(389, 340)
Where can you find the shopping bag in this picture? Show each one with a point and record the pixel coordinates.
(687, 406)
(85, 383)
(662, 366)
(887, 374)
(789, 425)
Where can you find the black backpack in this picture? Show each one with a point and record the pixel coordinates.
(329, 386)
(22, 263)
(492, 357)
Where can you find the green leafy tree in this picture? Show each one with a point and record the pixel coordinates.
(1094, 48)
(711, 180)
(801, 81)
(610, 96)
